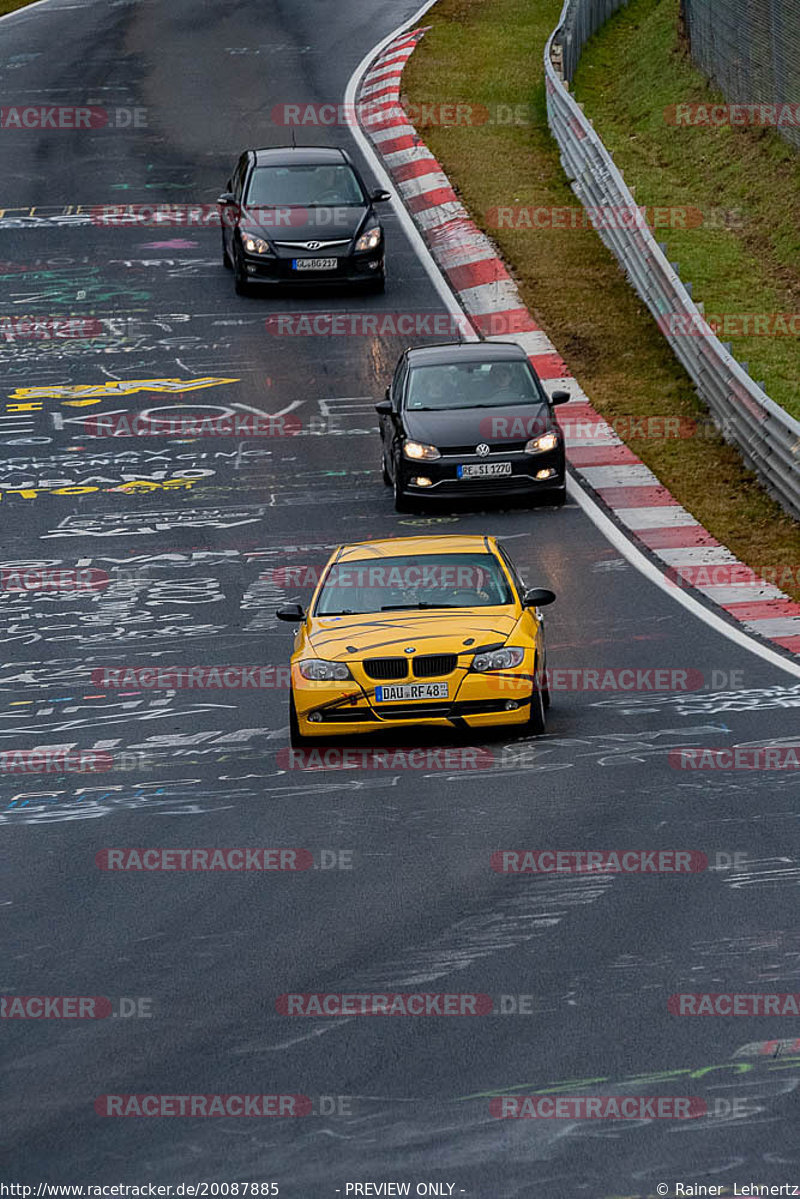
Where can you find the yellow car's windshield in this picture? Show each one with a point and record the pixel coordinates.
(410, 582)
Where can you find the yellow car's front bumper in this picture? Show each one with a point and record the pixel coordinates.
(477, 700)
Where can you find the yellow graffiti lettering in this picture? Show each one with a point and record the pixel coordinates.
(116, 387)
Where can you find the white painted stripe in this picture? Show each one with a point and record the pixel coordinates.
(388, 135)
(440, 214)
(491, 297)
(567, 383)
(698, 555)
(380, 111)
(623, 474)
(481, 250)
(393, 67)
(401, 157)
(531, 342)
(385, 86)
(777, 626)
(590, 442)
(423, 184)
(670, 516)
(742, 593)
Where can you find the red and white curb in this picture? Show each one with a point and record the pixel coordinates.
(599, 458)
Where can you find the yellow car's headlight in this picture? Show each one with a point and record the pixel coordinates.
(538, 445)
(320, 671)
(419, 452)
(499, 659)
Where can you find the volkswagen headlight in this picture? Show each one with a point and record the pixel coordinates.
(538, 445)
(320, 671)
(499, 659)
(370, 240)
(255, 245)
(417, 452)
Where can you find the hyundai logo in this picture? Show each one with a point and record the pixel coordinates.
(482, 449)
(313, 245)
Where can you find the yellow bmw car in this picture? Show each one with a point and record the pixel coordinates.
(418, 631)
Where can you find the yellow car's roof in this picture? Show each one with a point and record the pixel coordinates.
(391, 547)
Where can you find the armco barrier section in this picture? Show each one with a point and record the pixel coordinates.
(767, 436)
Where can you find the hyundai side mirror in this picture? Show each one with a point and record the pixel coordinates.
(380, 196)
(292, 612)
(226, 198)
(538, 597)
(560, 397)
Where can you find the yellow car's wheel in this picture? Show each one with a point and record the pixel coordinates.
(537, 720)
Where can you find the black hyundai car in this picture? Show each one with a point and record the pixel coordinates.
(301, 215)
(470, 420)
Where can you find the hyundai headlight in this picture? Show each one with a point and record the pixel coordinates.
(499, 659)
(320, 671)
(255, 245)
(370, 240)
(419, 452)
(538, 445)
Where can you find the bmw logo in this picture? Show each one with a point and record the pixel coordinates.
(482, 449)
(410, 649)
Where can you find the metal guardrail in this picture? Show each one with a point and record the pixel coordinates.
(767, 436)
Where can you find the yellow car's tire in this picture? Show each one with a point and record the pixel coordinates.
(537, 721)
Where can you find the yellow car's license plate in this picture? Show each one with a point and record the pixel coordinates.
(404, 691)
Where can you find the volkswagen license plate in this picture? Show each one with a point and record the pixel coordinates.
(483, 470)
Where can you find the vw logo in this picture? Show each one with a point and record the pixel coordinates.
(482, 449)
(313, 245)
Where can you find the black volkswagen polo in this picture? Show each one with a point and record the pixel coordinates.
(301, 215)
(470, 419)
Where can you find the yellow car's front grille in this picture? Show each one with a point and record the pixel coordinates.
(386, 668)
